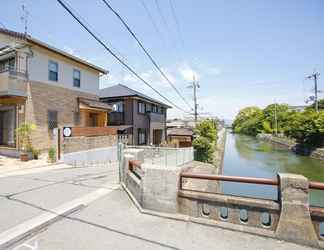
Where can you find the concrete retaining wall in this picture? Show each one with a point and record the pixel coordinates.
(220, 150)
(316, 153)
(83, 143)
(97, 156)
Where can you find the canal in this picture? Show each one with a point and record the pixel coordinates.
(250, 157)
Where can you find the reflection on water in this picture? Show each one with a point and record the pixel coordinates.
(248, 156)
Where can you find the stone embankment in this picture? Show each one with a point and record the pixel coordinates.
(220, 150)
(316, 153)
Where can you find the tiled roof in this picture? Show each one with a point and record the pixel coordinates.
(32, 40)
(121, 90)
(180, 131)
(95, 104)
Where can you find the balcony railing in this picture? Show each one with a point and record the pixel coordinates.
(13, 71)
(116, 118)
(13, 81)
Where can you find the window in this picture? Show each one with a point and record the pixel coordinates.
(52, 119)
(141, 107)
(118, 107)
(52, 71)
(154, 109)
(76, 78)
(141, 136)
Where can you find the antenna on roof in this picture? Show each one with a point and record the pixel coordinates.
(24, 17)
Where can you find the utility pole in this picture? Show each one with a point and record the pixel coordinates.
(315, 76)
(194, 86)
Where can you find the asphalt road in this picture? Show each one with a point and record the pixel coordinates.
(24, 197)
(113, 222)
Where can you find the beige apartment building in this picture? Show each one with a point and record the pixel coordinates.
(45, 86)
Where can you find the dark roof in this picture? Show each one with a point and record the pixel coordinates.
(180, 131)
(32, 40)
(121, 90)
(120, 127)
(95, 104)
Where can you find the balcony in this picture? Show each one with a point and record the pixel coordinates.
(13, 82)
(156, 117)
(116, 118)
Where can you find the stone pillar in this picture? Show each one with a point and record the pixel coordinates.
(160, 188)
(295, 222)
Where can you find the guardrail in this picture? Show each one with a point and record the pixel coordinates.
(259, 213)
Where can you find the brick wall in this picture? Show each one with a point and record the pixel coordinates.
(43, 97)
(82, 143)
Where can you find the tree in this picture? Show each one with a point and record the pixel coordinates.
(206, 137)
(204, 149)
(275, 112)
(248, 121)
(307, 127)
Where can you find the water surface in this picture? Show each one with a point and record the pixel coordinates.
(250, 157)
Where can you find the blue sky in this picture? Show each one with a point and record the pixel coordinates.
(243, 52)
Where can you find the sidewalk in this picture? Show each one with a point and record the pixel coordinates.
(113, 222)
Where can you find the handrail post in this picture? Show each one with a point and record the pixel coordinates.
(295, 223)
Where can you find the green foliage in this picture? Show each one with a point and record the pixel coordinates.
(204, 149)
(320, 105)
(35, 153)
(307, 127)
(24, 136)
(204, 143)
(52, 155)
(248, 121)
(304, 127)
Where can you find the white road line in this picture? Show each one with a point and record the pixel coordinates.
(22, 230)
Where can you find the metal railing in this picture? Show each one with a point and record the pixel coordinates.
(250, 180)
(165, 156)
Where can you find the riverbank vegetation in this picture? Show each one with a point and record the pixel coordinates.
(304, 127)
(205, 141)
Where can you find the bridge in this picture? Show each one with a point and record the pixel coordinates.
(176, 192)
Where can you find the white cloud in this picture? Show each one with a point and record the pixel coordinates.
(187, 72)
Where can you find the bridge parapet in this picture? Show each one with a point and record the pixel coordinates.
(289, 218)
(168, 190)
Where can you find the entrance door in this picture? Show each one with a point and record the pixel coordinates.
(7, 125)
(157, 136)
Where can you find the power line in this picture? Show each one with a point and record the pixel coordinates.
(115, 56)
(94, 31)
(145, 51)
(177, 23)
(152, 20)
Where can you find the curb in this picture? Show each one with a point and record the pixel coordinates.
(18, 233)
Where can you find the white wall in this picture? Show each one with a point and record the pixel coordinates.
(38, 71)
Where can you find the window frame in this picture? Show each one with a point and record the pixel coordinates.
(139, 103)
(51, 121)
(74, 79)
(51, 62)
(141, 132)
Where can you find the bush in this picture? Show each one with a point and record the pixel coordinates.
(52, 155)
(204, 143)
(24, 136)
(35, 153)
